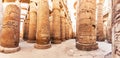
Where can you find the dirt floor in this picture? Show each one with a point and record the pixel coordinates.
(65, 50)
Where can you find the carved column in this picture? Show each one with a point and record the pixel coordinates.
(26, 27)
(51, 25)
(9, 0)
(70, 31)
(86, 27)
(100, 30)
(25, 1)
(62, 17)
(43, 26)
(1, 15)
(56, 22)
(32, 24)
(9, 41)
(116, 28)
(66, 29)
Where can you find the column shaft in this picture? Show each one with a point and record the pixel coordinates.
(43, 26)
(26, 28)
(116, 28)
(10, 33)
(100, 30)
(56, 22)
(32, 24)
(86, 27)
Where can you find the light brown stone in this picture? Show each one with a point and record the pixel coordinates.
(32, 27)
(11, 28)
(26, 28)
(100, 30)
(32, 24)
(66, 29)
(9, 0)
(43, 26)
(51, 25)
(62, 17)
(86, 28)
(25, 1)
(56, 23)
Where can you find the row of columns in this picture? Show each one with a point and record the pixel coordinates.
(86, 25)
(36, 26)
(100, 30)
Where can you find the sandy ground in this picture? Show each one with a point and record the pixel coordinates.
(65, 50)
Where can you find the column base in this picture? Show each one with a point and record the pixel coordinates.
(100, 39)
(38, 46)
(64, 39)
(87, 47)
(9, 50)
(31, 41)
(57, 41)
(109, 41)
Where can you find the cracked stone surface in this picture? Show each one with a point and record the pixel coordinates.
(66, 49)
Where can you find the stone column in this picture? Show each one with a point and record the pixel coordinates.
(66, 29)
(109, 32)
(32, 24)
(62, 17)
(26, 28)
(86, 27)
(9, 0)
(25, 1)
(51, 23)
(56, 22)
(1, 15)
(43, 26)
(100, 29)
(9, 41)
(116, 28)
(70, 30)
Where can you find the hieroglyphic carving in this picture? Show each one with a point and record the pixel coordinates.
(86, 27)
(116, 28)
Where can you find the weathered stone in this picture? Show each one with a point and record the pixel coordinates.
(26, 28)
(9, 0)
(62, 17)
(10, 29)
(70, 30)
(25, 1)
(116, 28)
(43, 26)
(86, 28)
(66, 29)
(100, 30)
(32, 24)
(56, 23)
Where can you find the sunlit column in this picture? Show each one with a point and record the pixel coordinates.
(56, 22)
(86, 27)
(43, 26)
(9, 0)
(66, 29)
(26, 27)
(33, 23)
(62, 17)
(100, 30)
(9, 40)
(116, 28)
